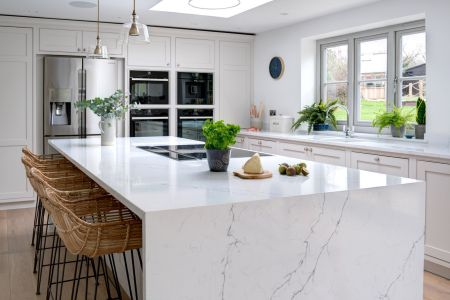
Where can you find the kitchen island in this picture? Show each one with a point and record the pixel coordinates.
(337, 234)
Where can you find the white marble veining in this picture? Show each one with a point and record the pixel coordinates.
(149, 182)
(336, 234)
(399, 146)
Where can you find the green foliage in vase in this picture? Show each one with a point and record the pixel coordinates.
(421, 107)
(107, 108)
(219, 136)
(317, 114)
(398, 117)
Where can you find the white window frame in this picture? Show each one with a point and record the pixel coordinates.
(393, 92)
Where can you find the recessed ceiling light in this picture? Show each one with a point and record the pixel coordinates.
(82, 4)
(217, 8)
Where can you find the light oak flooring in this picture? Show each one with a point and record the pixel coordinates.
(17, 280)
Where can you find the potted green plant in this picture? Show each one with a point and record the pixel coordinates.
(318, 116)
(396, 119)
(109, 109)
(218, 139)
(421, 119)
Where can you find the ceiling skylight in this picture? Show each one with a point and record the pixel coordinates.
(213, 8)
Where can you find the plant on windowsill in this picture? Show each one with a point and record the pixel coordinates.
(109, 109)
(218, 139)
(396, 119)
(421, 109)
(316, 116)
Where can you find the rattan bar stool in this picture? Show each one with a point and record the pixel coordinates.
(75, 186)
(94, 229)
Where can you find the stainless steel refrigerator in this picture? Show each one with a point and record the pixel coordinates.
(68, 80)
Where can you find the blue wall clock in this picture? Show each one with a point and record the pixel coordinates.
(276, 67)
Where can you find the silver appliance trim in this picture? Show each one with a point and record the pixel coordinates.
(149, 118)
(150, 79)
(196, 118)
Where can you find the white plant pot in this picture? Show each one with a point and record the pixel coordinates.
(108, 129)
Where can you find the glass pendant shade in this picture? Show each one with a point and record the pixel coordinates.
(100, 51)
(135, 31)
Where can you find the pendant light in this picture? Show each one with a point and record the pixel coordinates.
(99, 51)
(134, 30)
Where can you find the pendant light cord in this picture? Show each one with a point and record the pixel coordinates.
(98, 19)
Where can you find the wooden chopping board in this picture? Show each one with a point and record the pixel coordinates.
(241, 174)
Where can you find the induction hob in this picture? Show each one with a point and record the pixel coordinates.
(192, 152)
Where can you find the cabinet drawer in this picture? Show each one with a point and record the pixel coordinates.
(293, 150)
(60, 40)
(262, 146)
(381, 164)
(328, 156)
(240, 142)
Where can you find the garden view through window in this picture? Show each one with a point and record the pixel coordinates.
(372, 71)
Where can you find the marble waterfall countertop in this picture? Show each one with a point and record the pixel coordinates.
(149, 182)
(368, 142)
(337, 234)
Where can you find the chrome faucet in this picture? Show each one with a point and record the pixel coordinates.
(347, 130)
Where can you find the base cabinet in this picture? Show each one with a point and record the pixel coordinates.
(262, 146)
(437, 234)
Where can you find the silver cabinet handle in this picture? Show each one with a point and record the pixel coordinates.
(259, 142)
(178, 65)
(306, 149)
(79, 49)
(310, 149)
(84, 49)
(168, 64)
(377, 159)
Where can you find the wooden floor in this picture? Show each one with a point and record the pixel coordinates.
(17, 280)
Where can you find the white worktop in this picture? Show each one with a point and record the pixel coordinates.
(388, 145)
(147, 182)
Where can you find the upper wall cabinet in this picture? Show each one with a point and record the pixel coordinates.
(60, 40)
(154, 54)
(73, 41)
(194, 53)
(112, 40)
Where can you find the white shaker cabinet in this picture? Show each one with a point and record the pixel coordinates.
(113, 41)
(262, 146)
(194, 53)
(235, 82)
(327, 156)
(60, 40)
(16, 65)
(381, 164)
(154, 54)
(437, 236)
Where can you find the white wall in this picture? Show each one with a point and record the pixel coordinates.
(296, 44)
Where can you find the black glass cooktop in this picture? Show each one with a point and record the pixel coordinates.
(192, 152)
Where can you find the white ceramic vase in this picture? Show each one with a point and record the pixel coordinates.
(108, 129)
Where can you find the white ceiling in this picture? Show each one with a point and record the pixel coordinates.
(269, 16)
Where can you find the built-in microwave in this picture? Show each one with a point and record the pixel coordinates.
(190, 123)
(195, 88)
(149, 122)
(149, 87)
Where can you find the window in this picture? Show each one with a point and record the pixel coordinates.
(372, 71)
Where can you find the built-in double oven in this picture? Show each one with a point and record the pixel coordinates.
(154, 112)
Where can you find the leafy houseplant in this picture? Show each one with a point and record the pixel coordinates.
(397, 119)
(317, 116)
(109, 109)
(218, 139)
(421, 109)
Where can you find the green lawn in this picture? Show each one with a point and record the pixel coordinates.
(368, 110)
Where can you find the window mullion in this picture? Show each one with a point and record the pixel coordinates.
(391, 71)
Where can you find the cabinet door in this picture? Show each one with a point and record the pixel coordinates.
(194, 53)
(60, 40)
(381, 164)
(235, 82)
(328, 156)
(154, 54)
(16, 65)
(293, 150)
(112, 41)
(437, 237)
